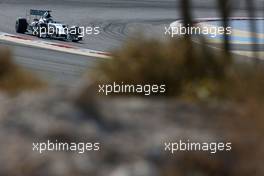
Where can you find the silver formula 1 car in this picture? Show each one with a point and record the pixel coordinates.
(43, 26)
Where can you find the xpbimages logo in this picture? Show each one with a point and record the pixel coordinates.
(212, 31)
(183, 145)
(146, 89)
(59, 29)
(51, 146)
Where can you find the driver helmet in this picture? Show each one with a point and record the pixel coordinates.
(47, 15)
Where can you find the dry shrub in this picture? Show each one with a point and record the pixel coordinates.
(14, 79)
(245, 83)
(192, 71)
(176, 63)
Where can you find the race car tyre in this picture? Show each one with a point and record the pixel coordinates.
(21, 25)
(75, 40)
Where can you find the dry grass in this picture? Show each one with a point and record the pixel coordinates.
(177, 63)
(188, 71)
(245, 83)
(14, 79)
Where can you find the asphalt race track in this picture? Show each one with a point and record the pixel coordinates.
(117, 20)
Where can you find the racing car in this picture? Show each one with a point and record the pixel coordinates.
(44, 26)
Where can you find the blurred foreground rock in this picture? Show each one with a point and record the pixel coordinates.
(132, 133)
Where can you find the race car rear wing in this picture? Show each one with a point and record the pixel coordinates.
(38, 12)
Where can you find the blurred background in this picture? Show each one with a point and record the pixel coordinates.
(213, 95)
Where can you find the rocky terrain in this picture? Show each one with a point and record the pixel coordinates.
(131, 132)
